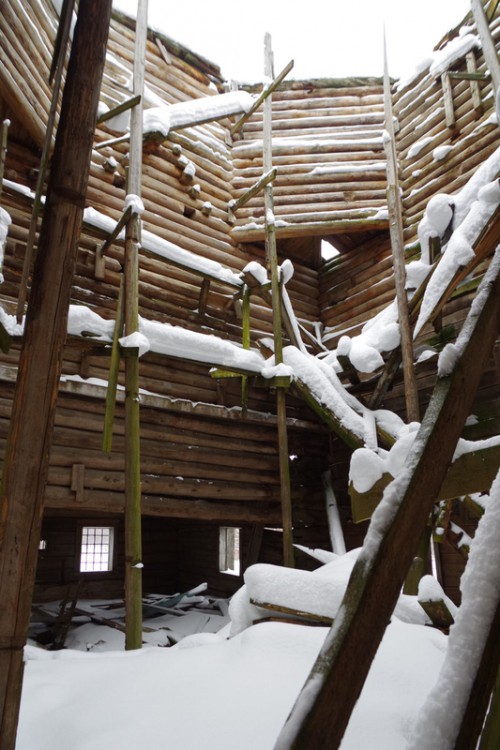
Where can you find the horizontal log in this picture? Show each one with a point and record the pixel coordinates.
(471, 472)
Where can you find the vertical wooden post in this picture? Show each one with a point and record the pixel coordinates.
(3, 149)
(397, 244)
(27, 454)
(272, 259)
(133, 533)
(487, 43)
(245, 321)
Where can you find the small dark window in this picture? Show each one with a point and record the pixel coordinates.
(229, 550)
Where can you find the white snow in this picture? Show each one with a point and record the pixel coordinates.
(210, 689)
(419, 146)
(134, 202)
(455, 49)
(459, 250)
(167, 250)
(439, 720)
(165, 118)
(379, 334)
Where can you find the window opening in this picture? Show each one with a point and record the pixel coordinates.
(96, 551)
(229, 550)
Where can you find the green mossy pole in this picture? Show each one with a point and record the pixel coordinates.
(133, 533)
(30, 432)
(272, 259)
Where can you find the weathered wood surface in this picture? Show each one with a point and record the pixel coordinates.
(27, 458)
(375, 583)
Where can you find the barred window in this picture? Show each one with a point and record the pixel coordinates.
(96, 551)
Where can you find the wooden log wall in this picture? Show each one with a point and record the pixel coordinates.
(58, 563)
(328, 150)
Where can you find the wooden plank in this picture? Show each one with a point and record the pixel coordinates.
(475, 88)
(449, 108)
(78, 481)
(319, 720)
(398, 254)
(27, 458)
(471, 472)
(487, 43)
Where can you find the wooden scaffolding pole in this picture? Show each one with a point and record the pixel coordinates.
(272, 260)
(323, 708)
(56, 72)
(397, 244)
(133, 534)
(27, 454)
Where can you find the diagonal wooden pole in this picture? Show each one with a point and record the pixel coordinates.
(322, 711)
(27, 454)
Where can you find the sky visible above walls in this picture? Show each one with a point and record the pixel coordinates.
(326, 38)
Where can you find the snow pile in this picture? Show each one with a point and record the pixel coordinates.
(459, 250)
(439, 721)
(173, 116)
(317, 594)
(455, 50)
(209, 689)
(435, 221)
(165, 249)
(368, 466)
(379, 334)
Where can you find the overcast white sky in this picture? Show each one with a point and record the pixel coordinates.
(326, 38)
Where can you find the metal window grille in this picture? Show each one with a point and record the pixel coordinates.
(96, 549)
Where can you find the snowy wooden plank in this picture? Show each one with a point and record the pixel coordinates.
(473, 471)
(318, 720)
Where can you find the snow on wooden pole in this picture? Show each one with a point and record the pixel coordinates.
(323, 708)
(397, 244)
(272, 260)
(133, 533)
(487, 43)
(27, 453)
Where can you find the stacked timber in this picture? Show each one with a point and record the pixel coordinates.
(328, 152)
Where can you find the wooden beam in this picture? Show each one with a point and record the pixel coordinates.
(133, 532)
(487, 43)
(263, 96)
(398, 255)
(233, 205)
(272, 260)
(27, 455)
(323, 708)
(3, 150)
(471, 472)
(449, 109)
(123, 107)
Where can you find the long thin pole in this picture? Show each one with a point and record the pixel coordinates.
(133, 533)
(397, 244)
(272, 259)
(33, 409)
(58, 68)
